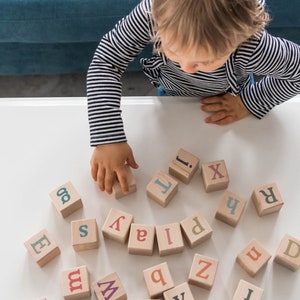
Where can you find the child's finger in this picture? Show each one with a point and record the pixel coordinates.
(122, 178)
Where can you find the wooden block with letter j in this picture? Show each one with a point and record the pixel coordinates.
(66, 199)
(247, 291)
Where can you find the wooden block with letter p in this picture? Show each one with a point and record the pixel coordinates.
(247, 291)
(75, 283)
(267, 199)
(181, 291)
(42, 247)
(184, 165)
(215, 176)
(66, 199)
(288, 253)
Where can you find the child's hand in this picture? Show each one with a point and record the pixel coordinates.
(108, 162)
(225, 109)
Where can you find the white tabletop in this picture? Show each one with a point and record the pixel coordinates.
(45, 143)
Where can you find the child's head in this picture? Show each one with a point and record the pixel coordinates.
(212, 29)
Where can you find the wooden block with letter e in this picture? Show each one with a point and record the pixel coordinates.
(162, 188)
(288, 253)
(117, 225)
(84, 234)
(75, 283)
(110, 287)
(247, 291)
(181, 291)
(66, 199)
(230, 209)
(184, 165)
(117, 191)
(158, 279)
(267, 199)
(203, 271)
(195, 229)
(215, 176)
(253, 258)
(42, 247)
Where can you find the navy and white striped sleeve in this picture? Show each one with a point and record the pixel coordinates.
(278, 61)
(116, 49)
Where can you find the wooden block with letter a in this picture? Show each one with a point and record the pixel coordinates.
(267, 199)
(162, 188)
(66, 199)
(42, 247)
(84, 234)
(215, 176)
(110, 287)
(181, 291)
(75, 283)
(288, 253)
(184, 165)
(247, 291)
(253, 258)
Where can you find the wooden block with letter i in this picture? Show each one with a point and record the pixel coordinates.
(75, 283)
(184, 165)
(42, 247)
(66, 199)
(84, 234)
(247, 291)
(181, 291)
(215, 176)
(110, 287)
(267, 199)
(288, 253)
(253, 258)
(162, 188)
(158, 279)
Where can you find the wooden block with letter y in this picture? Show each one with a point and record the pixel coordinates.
(247, 291)
(181, 291)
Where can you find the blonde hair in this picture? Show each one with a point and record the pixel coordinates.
(218, 26)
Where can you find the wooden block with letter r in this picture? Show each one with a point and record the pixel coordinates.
(66, 199)
(247, 291)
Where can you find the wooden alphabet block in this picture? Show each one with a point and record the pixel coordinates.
(215, 176)
(195, 229)
(181, 291)
(253, 258)
(230, 209)
(141, 239)
(65, 199)
(169, 239)
(184, 165)
(117, 225)
(110, 287)
(84, 234)
(288, 253)
(42, 247)
(162, 188)
(247, 291)
(75, 283)
(267, 199)
(117, 191)
(158, 279)
(203, 271)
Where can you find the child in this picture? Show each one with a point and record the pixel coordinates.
(202, 48)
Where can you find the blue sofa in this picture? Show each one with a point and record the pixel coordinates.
(60, 36)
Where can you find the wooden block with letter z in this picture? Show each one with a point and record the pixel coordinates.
(42, 247)
(288, 253)
(184, 165)
(247, 291)
(267, 199)
(181, 291)
(66, 199)
(75, 283)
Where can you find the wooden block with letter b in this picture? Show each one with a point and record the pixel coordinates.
(215, 176)
(247, 291)
(42, 247)
(66, 199)
(267, 199)
(184, 165)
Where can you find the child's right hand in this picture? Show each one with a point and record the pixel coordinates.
(107, 164)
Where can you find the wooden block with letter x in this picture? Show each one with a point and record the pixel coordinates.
(184, 165)
(66, 199)
(215, 176)
(42, 247)
(247, 291)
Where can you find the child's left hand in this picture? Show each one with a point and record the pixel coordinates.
(225, 109)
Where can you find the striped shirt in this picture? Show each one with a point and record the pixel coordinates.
(276, 60)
